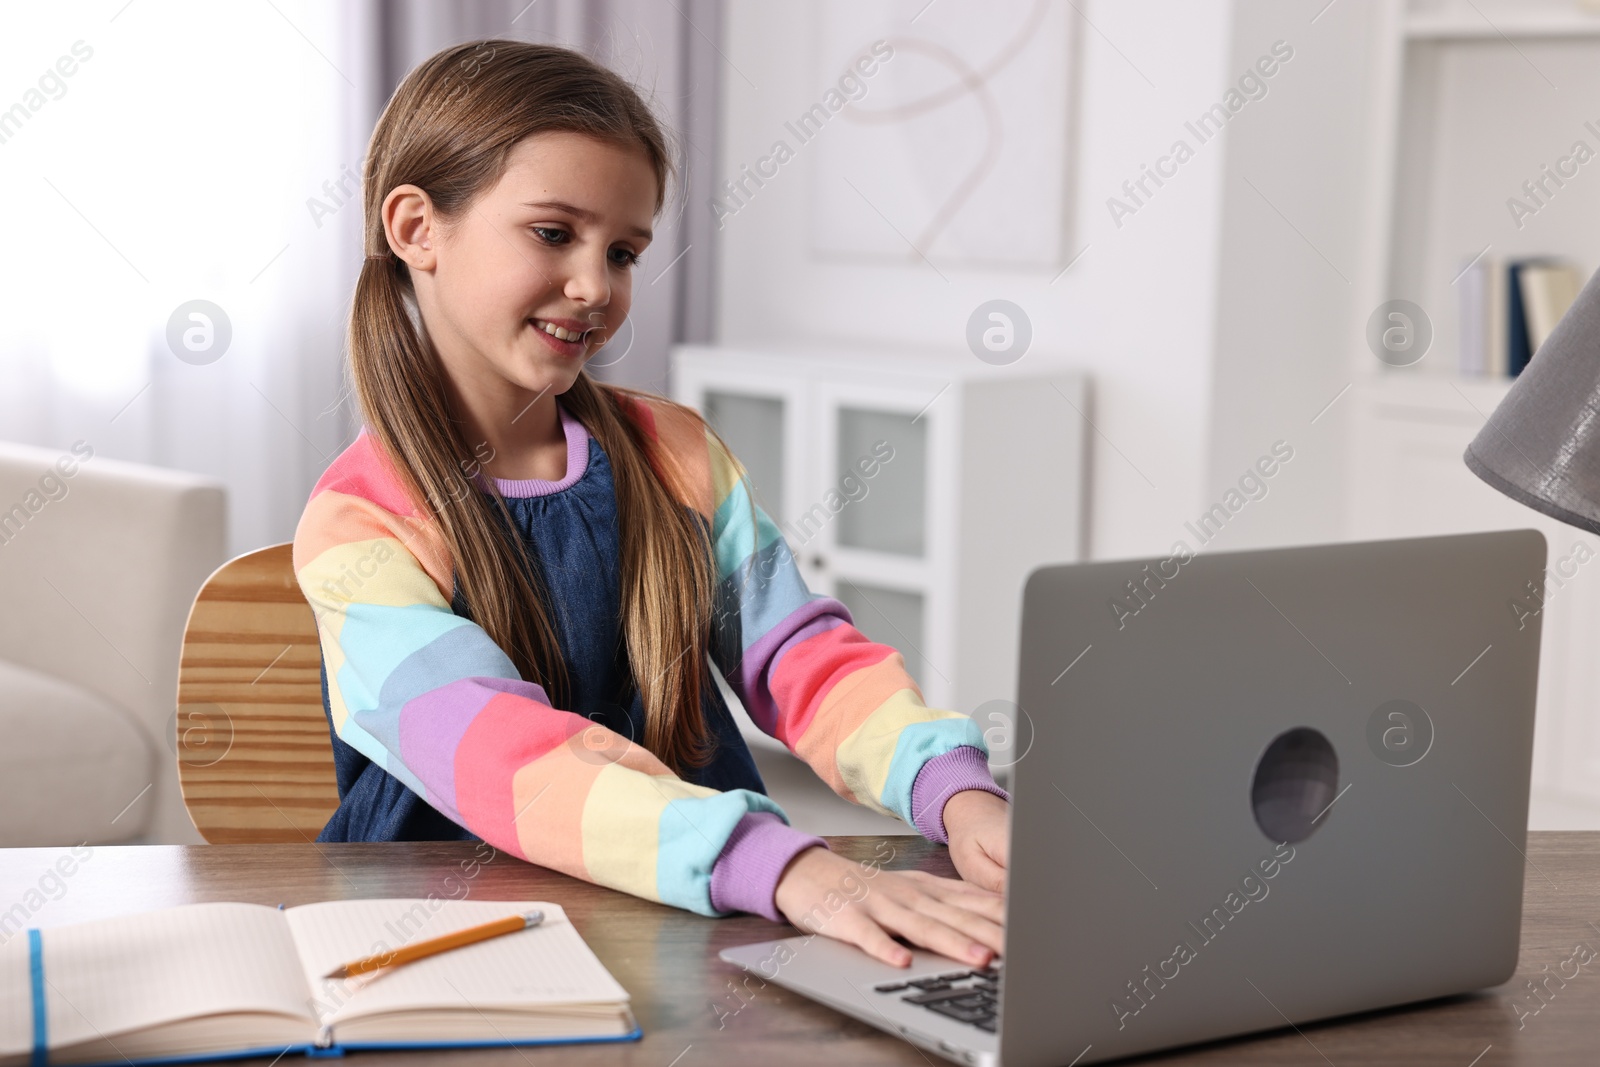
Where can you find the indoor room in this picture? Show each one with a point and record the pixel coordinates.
(516, 516)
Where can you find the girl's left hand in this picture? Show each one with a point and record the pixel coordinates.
(976, 823)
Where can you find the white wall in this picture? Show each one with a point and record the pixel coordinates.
(1292, 300)
(1137, 311)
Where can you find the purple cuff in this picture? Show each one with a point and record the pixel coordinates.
(745, 876)
(941, 778)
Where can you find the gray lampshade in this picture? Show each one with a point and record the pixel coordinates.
(1541, 446)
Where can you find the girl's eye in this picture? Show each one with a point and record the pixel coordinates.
(620, 257)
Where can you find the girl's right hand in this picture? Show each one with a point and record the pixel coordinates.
(823, 893)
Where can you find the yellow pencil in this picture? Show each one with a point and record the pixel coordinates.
(434, 945)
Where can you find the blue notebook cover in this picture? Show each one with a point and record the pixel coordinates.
(40, 1060)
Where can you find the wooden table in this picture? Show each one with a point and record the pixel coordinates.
(686, 999)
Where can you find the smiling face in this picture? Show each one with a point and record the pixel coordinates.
(529, 283)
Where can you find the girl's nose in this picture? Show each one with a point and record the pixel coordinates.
(588, 283)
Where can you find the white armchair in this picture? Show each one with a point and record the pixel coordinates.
(100, 561)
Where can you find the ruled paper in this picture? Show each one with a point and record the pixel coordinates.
(111, 976)
(546, 965)
(16, 997)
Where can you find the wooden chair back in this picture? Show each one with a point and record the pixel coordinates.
(254, 759)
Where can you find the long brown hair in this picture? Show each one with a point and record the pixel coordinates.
(449, 129)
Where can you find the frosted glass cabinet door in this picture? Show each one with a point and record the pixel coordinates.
(753, 427)
(891, 512)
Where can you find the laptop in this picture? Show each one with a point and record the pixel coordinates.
(1251, 790)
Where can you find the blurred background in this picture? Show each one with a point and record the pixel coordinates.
(1084, 264)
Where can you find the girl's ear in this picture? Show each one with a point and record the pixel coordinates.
(411, 226)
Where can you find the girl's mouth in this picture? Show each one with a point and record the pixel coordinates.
(562, 340)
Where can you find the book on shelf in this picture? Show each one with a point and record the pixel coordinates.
(1472, 347)
(1518, 348)
(1548, 289)
(1507, 308)
(225, 979)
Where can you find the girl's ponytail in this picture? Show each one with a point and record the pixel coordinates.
(403, 398)
(668, 584)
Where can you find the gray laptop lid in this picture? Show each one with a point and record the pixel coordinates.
(1385, 690)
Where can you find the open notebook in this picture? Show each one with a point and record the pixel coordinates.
(224, 979)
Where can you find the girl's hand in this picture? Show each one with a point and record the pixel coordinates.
(976, 823)
(863, 906)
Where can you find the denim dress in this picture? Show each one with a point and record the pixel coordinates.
(572, 540)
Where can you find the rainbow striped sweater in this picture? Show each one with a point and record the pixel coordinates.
(428, 696)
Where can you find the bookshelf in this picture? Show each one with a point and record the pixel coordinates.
(1473, 117)
(1469, 100)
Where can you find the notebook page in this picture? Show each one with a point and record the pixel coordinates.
(16, 1003)
(111, 976)
(548, 964)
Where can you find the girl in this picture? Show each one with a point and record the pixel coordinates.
(520, 573)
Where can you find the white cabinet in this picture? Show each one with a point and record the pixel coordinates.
(918, 489)
(1410, 430)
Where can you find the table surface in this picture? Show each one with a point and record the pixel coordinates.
(685, 998)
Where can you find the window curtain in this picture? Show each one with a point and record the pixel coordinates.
(173, 158)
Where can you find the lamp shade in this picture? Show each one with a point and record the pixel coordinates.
(1541, 446)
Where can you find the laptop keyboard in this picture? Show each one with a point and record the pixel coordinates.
(965, 996)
